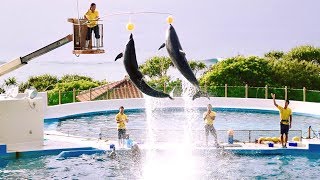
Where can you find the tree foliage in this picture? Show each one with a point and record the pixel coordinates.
(296, 74)
(78, 85)
(307, 53)
(156, 67)
(42, 83)
(196, 66)
(274, 54)
(74, 77)
(238, 71)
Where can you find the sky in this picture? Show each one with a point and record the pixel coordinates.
(206, 28)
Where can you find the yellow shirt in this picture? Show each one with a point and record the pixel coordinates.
(208, 119)
(122, 118)
(92, 17)
(284, 115)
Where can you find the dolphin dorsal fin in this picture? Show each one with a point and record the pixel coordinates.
(119, 56)
(182, 52)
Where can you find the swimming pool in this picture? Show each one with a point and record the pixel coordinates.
(165, 165)
(167, 121)
(177, 164)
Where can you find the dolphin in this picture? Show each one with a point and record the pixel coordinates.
(131, 65)
(178, 58)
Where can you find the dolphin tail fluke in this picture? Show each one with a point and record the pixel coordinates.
(200, 94)
(119, 56)
(162, 46)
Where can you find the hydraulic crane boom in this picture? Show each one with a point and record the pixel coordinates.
(14, 64)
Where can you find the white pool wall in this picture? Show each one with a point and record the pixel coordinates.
(243, 103)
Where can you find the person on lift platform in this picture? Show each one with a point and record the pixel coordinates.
(92, 16)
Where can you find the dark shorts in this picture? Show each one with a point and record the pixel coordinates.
(121, 133)
(95, 29)
(284, 129)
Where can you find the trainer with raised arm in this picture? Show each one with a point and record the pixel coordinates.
(285, 119)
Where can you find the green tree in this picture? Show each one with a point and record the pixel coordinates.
(10, 81)
(43, 82)
(274, 54)
(197, 66)
(156, 66)
(239, 70)
(307, 53)
(74, 77)
(77, 85)
(296, 74)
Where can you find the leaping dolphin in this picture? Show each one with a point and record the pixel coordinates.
(131, 65)
(178, 58)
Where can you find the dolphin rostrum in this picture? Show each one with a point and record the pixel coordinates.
(178, 58)
(131, 66)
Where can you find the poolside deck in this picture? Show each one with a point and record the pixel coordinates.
(56, 142)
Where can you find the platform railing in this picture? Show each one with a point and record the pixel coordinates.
(178, 135)
(100, 93)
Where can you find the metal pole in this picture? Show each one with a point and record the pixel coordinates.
(285, 93)
(59, 97)
(74, 95)
(246, 91)
(309, 132)
(266, 92)
(304, 93)
(90, 94)
(225, 90)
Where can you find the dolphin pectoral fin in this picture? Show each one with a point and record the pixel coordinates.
(119, 56)
(162, 46)
(200, 94)
(182, 52)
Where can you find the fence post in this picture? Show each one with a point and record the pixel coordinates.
(90, 94)
(246, 91)
(74, 95)
(47, 98)
(226, 90)
(285, 93)
(59, 97)
(304, 94)
(266, 92)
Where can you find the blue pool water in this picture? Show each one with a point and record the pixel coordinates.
(174, 164)
(169, 120)
(209, 166)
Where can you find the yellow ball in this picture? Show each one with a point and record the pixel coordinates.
(130, 26)
(170, 19)
(296, 138)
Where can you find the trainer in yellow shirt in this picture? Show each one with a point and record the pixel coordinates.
(92, 16)
(285, 120)
(121, 120)
(209, 117)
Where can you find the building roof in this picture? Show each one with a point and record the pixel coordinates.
(116, 90)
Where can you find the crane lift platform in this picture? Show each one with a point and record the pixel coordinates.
(79, 38)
